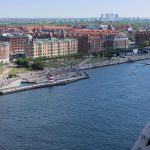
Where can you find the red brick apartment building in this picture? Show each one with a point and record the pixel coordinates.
(116, 41)
(91, 41)
(140, 37)
(4, 52)
(17, 42)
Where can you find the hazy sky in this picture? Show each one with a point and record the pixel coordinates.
(73, 8)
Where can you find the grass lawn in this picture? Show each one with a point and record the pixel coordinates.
(97, 59)
(73, 62)
(18, 70)
(54, 64)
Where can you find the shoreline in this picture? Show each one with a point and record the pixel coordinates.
(40, 77)
(43, 84)
(116, 61)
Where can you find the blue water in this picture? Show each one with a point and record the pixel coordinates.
(106, 112)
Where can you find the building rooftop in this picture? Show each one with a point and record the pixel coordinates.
(52, 40)
(13, 35)
(116, 36)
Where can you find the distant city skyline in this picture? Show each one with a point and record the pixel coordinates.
(73, 9)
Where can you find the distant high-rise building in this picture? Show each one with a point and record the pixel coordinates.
(112, 16)
(116, 16)
(107, 17)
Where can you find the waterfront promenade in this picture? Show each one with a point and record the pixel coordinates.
(40, 83)
(40, 78)
(114, 61)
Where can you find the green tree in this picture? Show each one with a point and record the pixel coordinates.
(146, 43)
(95, 54)
(12, 74)
(37, 65)
(23, 62)
(19, 62)
(26, 63)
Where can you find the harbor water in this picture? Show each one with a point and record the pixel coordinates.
(105, 112)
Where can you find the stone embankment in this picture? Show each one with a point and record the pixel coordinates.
(115, 61)
(41, 77)
(43, 84)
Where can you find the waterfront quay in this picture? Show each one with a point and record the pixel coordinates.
(58, 76)
(114, 61)
(42, 82)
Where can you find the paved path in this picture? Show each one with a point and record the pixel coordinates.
(5, 72)
(65, 64)
(84, 62)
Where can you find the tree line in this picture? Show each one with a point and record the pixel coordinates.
(35, 64)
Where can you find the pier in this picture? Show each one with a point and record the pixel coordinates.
(43, 85)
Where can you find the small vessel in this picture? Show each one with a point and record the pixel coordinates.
(51, 77)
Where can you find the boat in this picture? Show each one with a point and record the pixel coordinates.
(51, 77)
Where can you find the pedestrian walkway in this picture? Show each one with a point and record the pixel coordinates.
(85, 61)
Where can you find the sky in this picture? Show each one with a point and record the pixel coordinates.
(73, 8)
